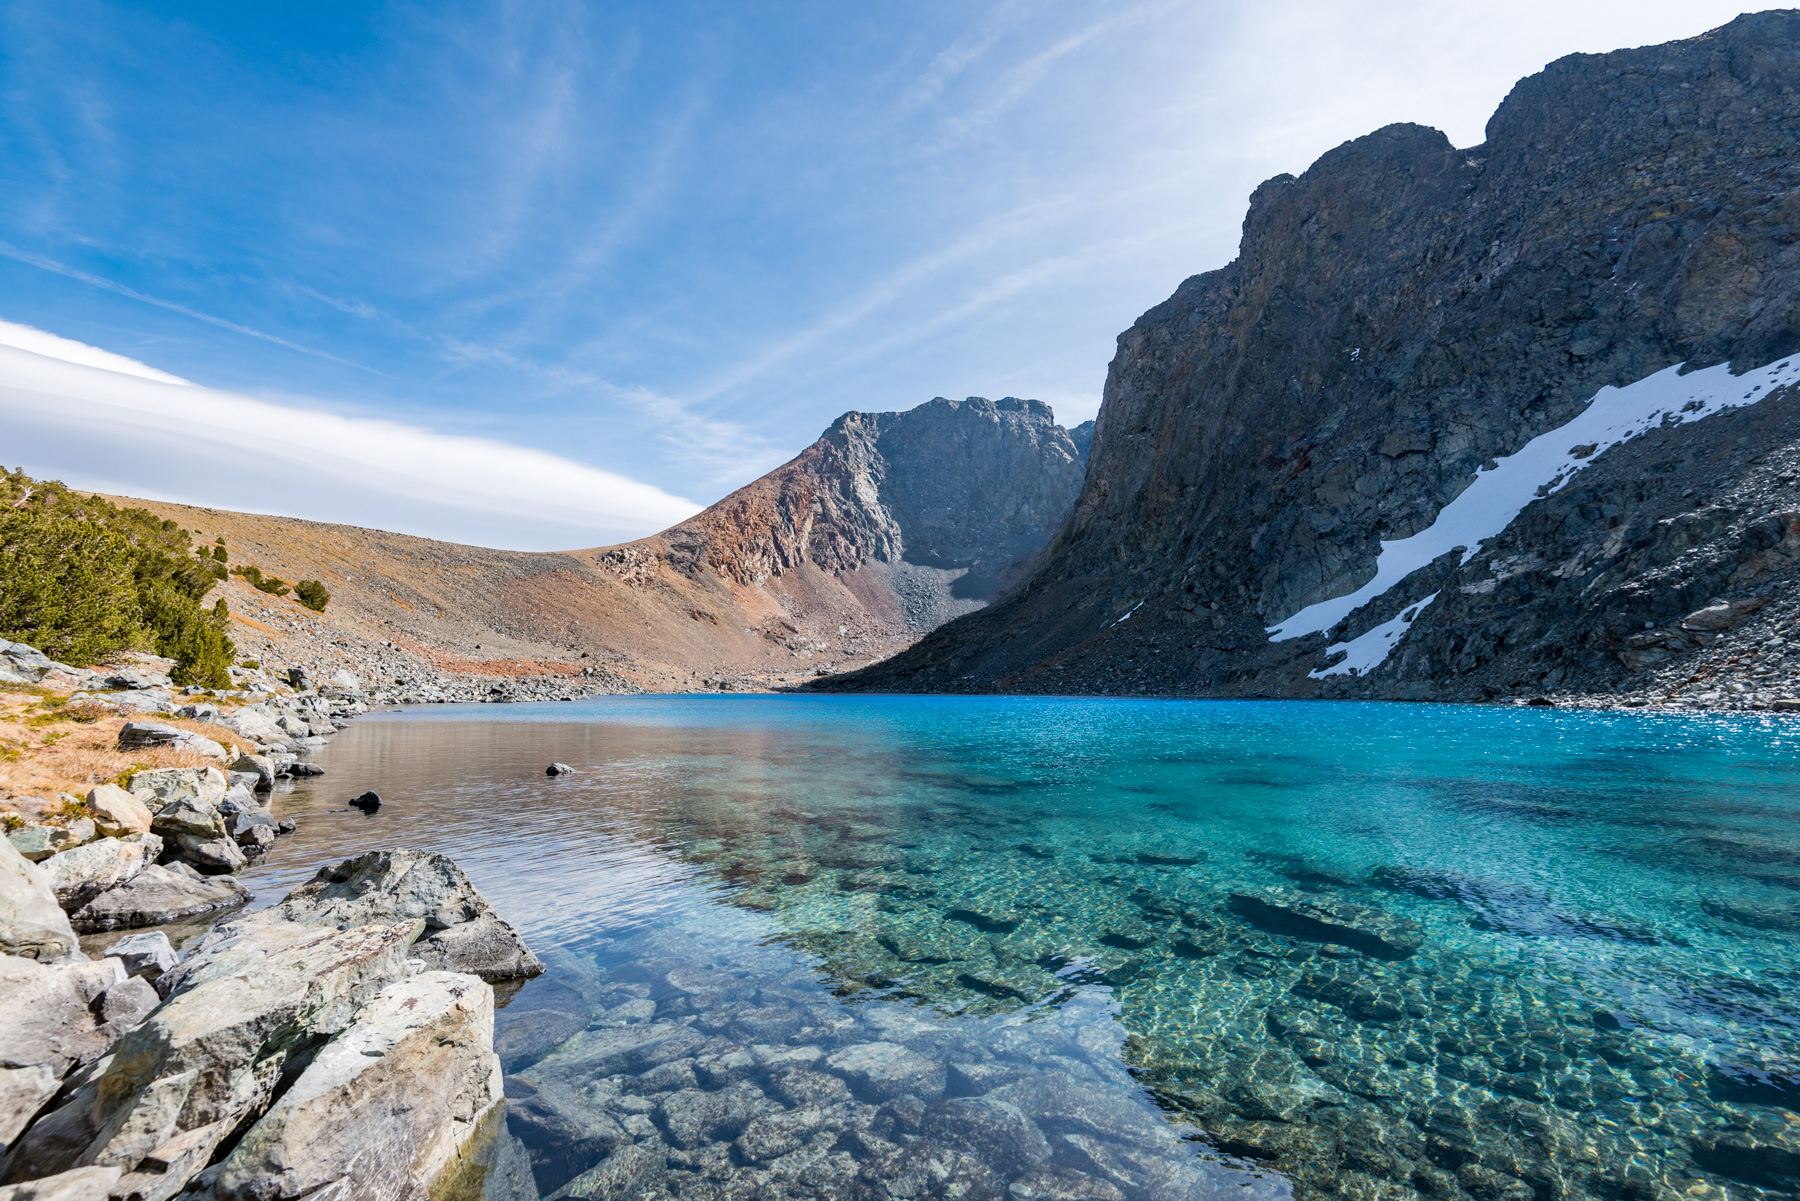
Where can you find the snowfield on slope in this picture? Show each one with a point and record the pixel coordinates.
(1540, 467)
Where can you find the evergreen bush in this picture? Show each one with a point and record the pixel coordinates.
(81, 578)
(312, 594)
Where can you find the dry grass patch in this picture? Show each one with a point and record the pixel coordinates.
(48, 746)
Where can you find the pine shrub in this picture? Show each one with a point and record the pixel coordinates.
(312, 594)
(81, 578)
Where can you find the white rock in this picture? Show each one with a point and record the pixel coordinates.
(165, 784)
(149, 954)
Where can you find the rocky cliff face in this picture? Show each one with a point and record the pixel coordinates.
(970, 487)
(1405, 320)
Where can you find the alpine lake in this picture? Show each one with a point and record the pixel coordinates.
(1068, 948)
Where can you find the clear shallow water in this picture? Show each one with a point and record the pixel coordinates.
(985, 946)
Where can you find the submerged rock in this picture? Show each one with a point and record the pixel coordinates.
(1326, 919)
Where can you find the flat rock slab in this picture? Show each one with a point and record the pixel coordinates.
(158, 896)
(882, 1071)
(1325, 919)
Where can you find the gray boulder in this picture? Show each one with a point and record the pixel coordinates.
(185, 1078)
(462, 932)
(59, 1016)
(161, 786)
(263, 766)
(80, 874)
(32, 924)
(149, 954)
(157, 896)
(389, 1107)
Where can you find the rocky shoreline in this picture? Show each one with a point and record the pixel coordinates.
(338, 1044)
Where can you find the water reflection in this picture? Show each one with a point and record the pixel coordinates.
(966, 941)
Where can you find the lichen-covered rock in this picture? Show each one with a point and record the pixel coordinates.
(38, 843)
(32, 924)
(462, 932)
(156, 896)
(80, 874)
(387, 1107)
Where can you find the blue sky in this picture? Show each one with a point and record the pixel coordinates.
(667, 242)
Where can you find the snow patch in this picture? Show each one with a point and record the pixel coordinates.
(1369, 651)
(1542, 466)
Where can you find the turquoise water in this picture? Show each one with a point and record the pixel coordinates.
(1600, 1002)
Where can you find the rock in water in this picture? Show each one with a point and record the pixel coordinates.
(462, 932)
(368, 802)
(388, 1107)
(157, 896)
(32, 923)
(1325, 919)
(558, 769)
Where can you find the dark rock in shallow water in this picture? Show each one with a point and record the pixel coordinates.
(368, 802)
(1321, 919)
(994, 921)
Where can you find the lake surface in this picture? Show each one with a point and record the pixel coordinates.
(994, 947)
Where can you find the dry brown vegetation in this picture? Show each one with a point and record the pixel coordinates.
(48, 746)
